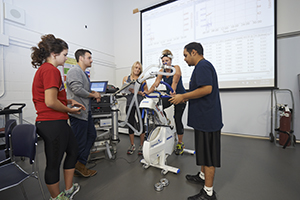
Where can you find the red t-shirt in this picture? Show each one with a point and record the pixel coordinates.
(48, 76)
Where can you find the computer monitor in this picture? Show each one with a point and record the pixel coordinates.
(99, 86)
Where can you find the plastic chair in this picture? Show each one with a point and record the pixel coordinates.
(5, 154)
(24, 141)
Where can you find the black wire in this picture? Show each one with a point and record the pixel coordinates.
(122, 158)
(112, 160)
(94, 164)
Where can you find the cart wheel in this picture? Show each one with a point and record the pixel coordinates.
(271, 137)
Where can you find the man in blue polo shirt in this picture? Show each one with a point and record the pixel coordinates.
(205, 116)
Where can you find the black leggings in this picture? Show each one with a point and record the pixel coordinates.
(58, 139)
(178, 112)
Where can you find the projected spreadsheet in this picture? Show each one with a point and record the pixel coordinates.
(237, 36)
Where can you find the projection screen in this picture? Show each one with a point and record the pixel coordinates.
(238, 37)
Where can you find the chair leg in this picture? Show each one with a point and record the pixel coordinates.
(23, 191)
(38, 177)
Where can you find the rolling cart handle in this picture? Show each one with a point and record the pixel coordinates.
(22, 105)
(163, 96)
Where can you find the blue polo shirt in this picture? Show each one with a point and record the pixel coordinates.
(205, 113)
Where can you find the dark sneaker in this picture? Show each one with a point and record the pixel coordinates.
(179, 148)
(71, 194)
(140, 150)
(131, 149)
(203, 196)
(195, 178)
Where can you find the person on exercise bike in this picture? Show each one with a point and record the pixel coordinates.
(175, 82)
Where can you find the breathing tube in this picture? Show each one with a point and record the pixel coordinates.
(143, 77)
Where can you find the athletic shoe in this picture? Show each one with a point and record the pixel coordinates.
(179, 148)
(71, 194)
(195, 178)
(203, 196)
(140, 150)
(61, 196)
(131, 149)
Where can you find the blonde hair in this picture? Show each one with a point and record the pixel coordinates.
(165, 53)
(133, 66)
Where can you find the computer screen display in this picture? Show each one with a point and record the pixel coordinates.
(99, 86)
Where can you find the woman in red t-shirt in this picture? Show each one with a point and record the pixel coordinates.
(49, 98)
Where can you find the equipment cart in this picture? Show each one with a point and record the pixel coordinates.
(14, 108)
(282, 117)
(11, 109)
(105, 115)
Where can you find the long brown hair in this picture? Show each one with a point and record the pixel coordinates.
(48, 45)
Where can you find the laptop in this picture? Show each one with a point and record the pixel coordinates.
(99, 86)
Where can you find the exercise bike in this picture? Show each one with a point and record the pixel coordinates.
(161, 139)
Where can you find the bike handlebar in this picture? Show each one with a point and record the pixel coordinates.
(163, 96)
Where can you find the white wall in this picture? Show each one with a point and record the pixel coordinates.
(65, 19)
(288, 16)
(127, 34)
(244, 112)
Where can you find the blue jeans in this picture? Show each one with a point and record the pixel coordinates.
(85, 134)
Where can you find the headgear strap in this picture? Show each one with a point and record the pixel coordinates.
(166, 55)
